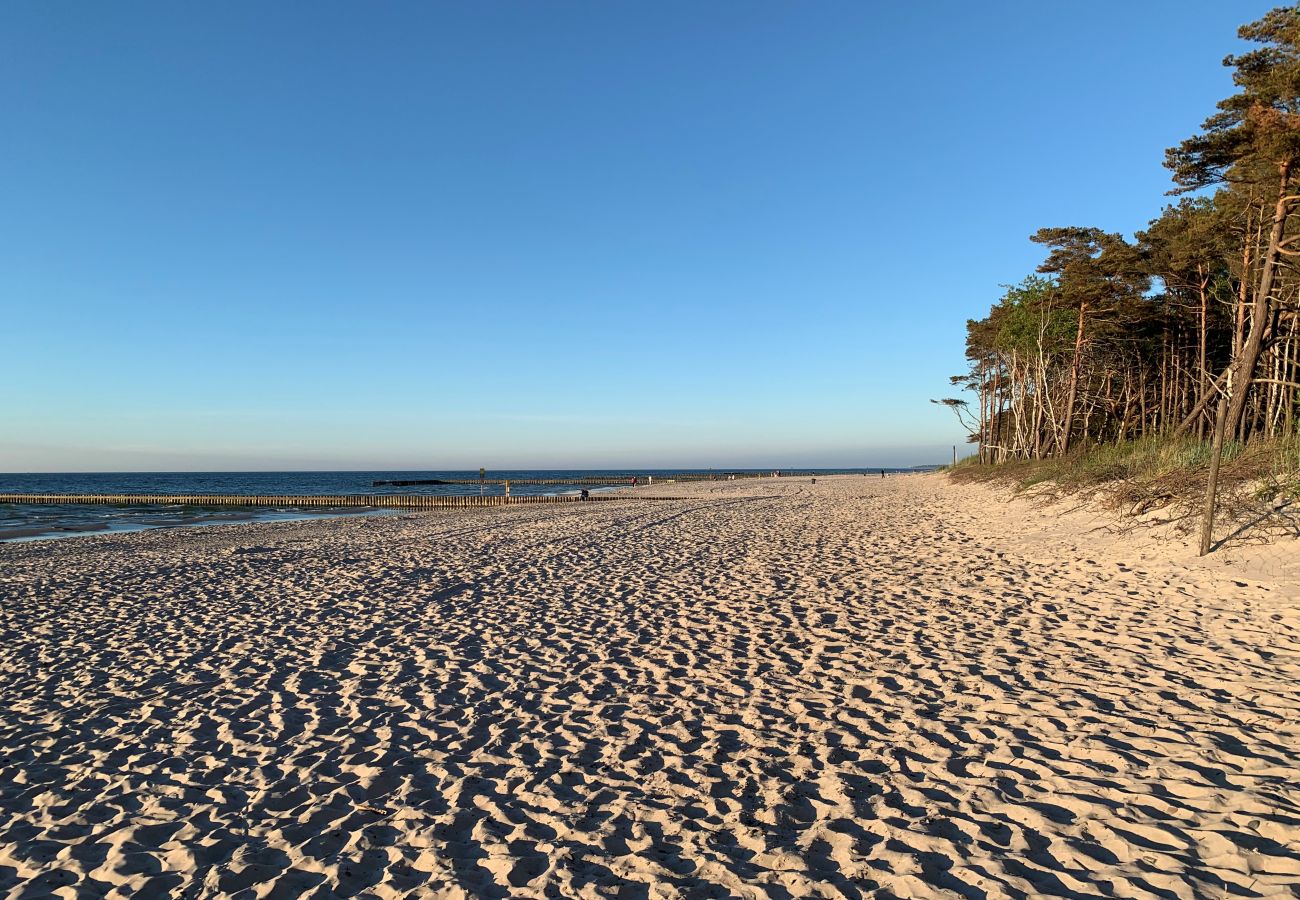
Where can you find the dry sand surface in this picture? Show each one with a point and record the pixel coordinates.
(854, 688)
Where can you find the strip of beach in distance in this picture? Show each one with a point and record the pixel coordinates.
(853, 687)
(36, 506)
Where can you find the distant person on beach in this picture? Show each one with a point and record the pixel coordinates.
(585, 493)
(882, 473)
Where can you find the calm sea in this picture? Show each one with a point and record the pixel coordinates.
(28, 522)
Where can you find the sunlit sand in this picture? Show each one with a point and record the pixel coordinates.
(862, 687)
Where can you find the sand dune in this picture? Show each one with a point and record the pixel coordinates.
(858, 688)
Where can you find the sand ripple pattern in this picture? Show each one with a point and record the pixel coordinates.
(858, 688)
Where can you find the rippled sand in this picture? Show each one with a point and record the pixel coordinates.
(858, 688)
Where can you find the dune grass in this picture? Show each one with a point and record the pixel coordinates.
(1157, 473)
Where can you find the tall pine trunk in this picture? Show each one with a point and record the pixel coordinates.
(1242, 370)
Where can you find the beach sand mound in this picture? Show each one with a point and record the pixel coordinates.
(861, 687)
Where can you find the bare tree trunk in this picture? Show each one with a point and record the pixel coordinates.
(1243, 367)
(1143, 412)
(1212, 484)
(1202, 364)
(1074, 383)
(1289, 373)
(1163, 384)
(1040, 401)
(1202, 403)
(1243, 295)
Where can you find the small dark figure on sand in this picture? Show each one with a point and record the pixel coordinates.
(585, 493)
(882, 473)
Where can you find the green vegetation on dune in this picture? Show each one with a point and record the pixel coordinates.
(1259, 481)
(1174, 357)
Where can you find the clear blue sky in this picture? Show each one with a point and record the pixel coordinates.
(452, 234)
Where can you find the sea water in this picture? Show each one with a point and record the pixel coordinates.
(20, 521)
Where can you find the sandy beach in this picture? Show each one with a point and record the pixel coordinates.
(861, 687)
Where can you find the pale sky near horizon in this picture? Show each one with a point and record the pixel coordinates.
(441, 235)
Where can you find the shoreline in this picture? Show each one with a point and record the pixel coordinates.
(857, 686)
(28, 534)
(58, 506)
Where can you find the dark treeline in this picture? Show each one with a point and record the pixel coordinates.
(1192, 327)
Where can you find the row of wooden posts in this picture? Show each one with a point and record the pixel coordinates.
(386, 501)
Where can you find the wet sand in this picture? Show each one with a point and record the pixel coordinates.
(859, 688)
